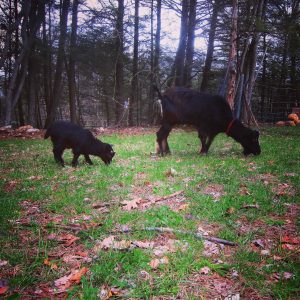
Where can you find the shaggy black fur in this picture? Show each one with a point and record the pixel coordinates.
(66, 135)
(210, 114)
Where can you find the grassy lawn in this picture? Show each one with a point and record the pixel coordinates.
(57, 222)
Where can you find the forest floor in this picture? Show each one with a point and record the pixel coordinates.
(141, 227)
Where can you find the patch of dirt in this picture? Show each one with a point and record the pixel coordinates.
(276, 240)
(67, 256)
(175, 201)
(208, 287)
(215, 190)
(24, 132)
(129, 131)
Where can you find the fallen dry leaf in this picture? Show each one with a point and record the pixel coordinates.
(143, 245)
(283, 189)
(3, 263)
(131, 204)
(290, 247)
(66, 238)
(290, 240)
(205, 270)
(3, 290)
(35, 178)
(154, 263)
(105, 293)
(111, 243)
(171, 172)
(210, 249)
(77, 276)
(10, 186)
(183, 206)
(214, 190)
(144, 275)
(52, 265)
(63, 283)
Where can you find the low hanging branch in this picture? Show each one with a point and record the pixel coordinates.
(196, 235)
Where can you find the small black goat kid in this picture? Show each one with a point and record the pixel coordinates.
(210, 114)
(66, 135)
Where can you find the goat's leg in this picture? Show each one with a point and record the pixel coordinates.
(202, 138)
(58, 151)
(76, 155)
(87, 159)
(162, 139)
(209, 141)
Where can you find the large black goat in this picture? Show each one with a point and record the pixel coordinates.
(210, 114)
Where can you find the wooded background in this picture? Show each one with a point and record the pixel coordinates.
(97, 66)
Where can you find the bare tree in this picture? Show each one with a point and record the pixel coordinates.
(232, 71)
(210, 47)
(189, 55)
(57, 86)
(32, 17)
(133, 109)
(119, 69)
(71, 67)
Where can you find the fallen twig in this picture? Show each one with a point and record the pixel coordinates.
(196, 235)
(168, 196)
(250, 206)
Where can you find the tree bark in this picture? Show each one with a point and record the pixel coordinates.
(32, 70)
(210, 48)
(133, 111)
(59, 64)
(71, 72)
(232, 57)
(47, 62)
(119, 69)
(189, 55)
(177, 70)
(32, 12)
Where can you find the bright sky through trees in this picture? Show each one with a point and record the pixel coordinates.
(170, 25)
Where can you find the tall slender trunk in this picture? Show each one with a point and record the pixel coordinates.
(232, 56)
(155, 70)
(16, 53)
(189, 55)
(210, 48)
(133, 111)
(59, 64)
(71, 71)
(32, 18)
(32, 70)
(119, 69)
(46, 67)
(177, 70)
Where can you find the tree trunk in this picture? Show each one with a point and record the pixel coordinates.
(210, 48)
(133, 111)
(32, 19)
(177, 70)
(119, 70)
(232, 57)
(156, 69)
(32, 70)
(251, 60)
(189, 55)
(71, 72)
(59, 64)
(47, 78)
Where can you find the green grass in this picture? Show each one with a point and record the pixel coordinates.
(136, 173)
